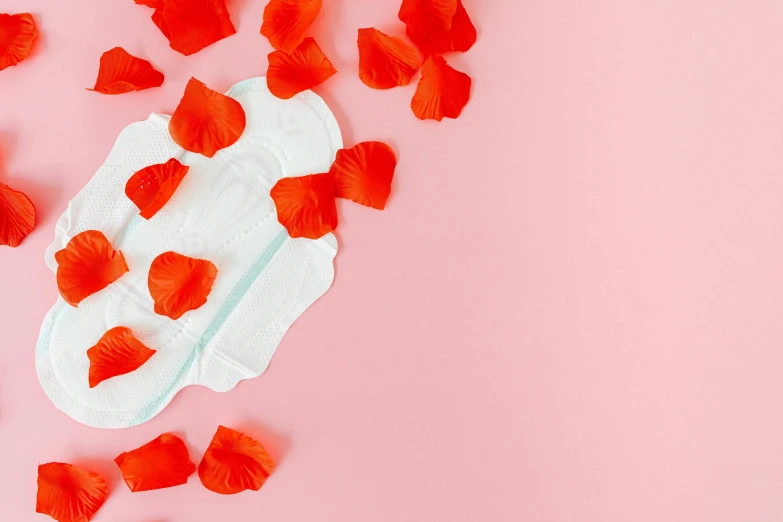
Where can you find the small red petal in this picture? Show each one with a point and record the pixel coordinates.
(234, 462)
(431, 39)
(290, 74)
(206, 121)
(305, 205)
(161, 463)
(87, 265)
(364, 173)
(152, 187)
(442, 91)
(191, 25)
(117, 352)
(285, 22)
(17, 33)
(437, 14)
(384, 61)
(121, 72)
(17, 216)
(180, 283)
(69, 494)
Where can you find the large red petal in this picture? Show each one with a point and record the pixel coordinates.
(152, 187)
(206, 121)
(17, 33)
(364, 173)
(17, 216)
(116, 353)
(194, 24)
(121, 72)
(306, 67)
(437, 14)
(234, 462)
(305, 205)
(69, 494)
(161, 463)
(384, 61)
(285, 22)
(87, 265)
(442, 91)
(431, 39)
(180, 283)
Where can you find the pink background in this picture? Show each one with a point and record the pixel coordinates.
(570, 311)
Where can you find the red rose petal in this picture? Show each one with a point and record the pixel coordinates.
(285, 22)
(157, 16)
(437, 14)
(17, 216)
(384, 61)
(121, 72)
(306, 67)
(234, 462)
(431, 39)
(69, 494)
(87, 265)
(161, 463)
(180, 283)
(152, 187)
(17, 33)
(195, 24)
(117, 352)
(206, 121)
(305, 205)
(364, 173)
(442, 91)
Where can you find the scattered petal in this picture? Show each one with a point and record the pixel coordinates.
(117, 352)
(285, 22)
(306, 67)
(437, 14)
(152, 187)
(157, 16)
(195, 24)
(121, 72)
(442, 91)
(180, 283)
(305, 205)
(161, 463)
(234, 462)
(384, 61)
(17, 216)
(431, 39)
(87, 265)
(69, 494)
(17, 33)
(364, 173)
(206, 121)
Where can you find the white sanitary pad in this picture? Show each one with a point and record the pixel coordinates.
(221, 212)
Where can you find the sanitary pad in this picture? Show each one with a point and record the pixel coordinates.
(222, 212)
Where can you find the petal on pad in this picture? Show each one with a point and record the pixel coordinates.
(305, 205)
(121, 72)
(364, 173)
(384, 61)
(234, 462)
(285, 22)
(206, 121)
(437, 14)
(87, 265)
(306, 67)
(17, 216)
(161, 463)
(431, 39)
(69, 494)
(442, 91)
(180, 283)
(195, 24)
(117, 352)
(152, 187)
(17, 33)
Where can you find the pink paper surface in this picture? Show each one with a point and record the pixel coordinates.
(570, 311)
